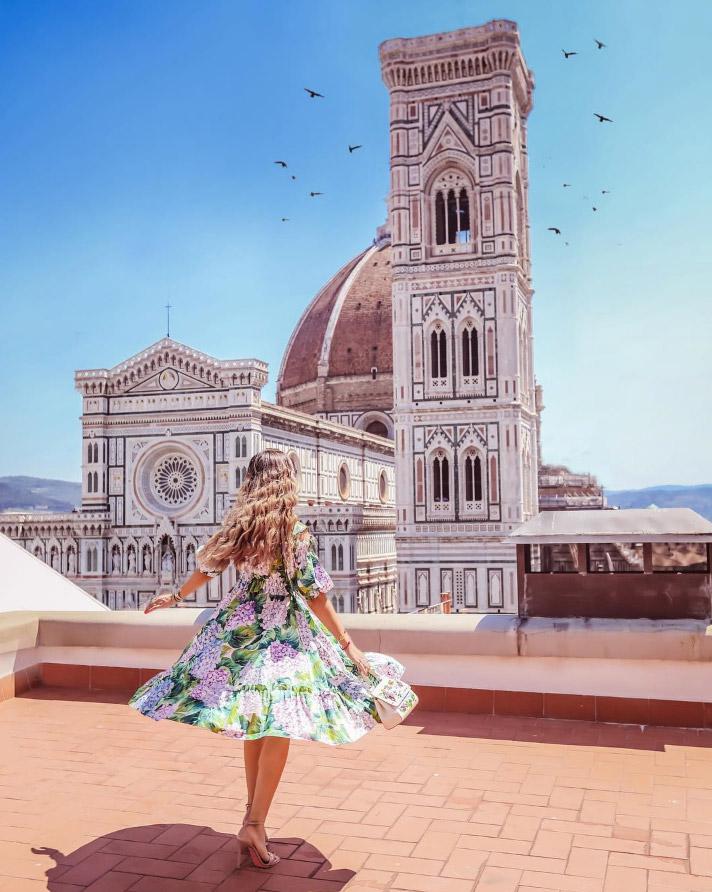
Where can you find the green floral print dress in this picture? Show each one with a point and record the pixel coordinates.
(265, 665)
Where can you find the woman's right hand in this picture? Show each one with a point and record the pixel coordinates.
(160, 601)
(354, 654)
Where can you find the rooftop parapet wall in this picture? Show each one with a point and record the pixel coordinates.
(624, 671)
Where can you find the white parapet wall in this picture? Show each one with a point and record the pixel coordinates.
(637, 659)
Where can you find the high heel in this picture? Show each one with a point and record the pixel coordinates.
(257, 859)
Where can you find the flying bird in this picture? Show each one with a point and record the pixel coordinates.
(285, 219)
(602, 118)
(293, 177)
(554, 229)
(599, 44)
(595, 209)
(566, 185)
(571, 53)
(313, 94)
(605, 191)
(353, 148)
(314, 194)
(281, 163)
(566, 244)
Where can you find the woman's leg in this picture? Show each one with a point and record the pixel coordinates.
(271, 764)
(252, 751)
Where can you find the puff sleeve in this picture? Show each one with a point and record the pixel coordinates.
(311, 578)
(203, 567)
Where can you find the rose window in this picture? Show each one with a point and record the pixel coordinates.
(174, 480)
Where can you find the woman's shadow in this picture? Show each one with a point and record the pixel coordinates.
(150, 857)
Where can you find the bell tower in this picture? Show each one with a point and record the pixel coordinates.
(465, 416)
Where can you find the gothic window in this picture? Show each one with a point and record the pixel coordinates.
(344, 482)
(341, 557)
(438, 352)
(90, 452)
(470, 351)
(440, 236)
(333, 557)
(96, 452)
(238, 478)
(96, 481)
(451, 209)
(90, 482)
(473, 478)
(441, 479)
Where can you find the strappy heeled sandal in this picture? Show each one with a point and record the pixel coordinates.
(248, 806)
(257, 859)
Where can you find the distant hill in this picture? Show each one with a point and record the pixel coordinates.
(38, 494)
(699, 498)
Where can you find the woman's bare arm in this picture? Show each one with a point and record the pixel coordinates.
(323, 609)
(193, 582)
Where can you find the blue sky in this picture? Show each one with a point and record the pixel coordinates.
(136, 168)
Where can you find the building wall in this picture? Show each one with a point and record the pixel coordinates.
(166, 439)
(466, 423)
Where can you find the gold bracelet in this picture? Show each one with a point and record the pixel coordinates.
(340, 640)
(177, 596)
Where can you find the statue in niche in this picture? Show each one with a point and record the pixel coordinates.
(190, 561)
(147, 560)
(54, 559)
(167, 562)
(115, 562)
(132, 561)
(71, 562)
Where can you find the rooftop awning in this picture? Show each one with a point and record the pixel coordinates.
(615, 525)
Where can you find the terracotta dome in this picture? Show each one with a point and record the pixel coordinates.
(339, 361)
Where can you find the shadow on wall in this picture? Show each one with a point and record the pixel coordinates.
(152, 856)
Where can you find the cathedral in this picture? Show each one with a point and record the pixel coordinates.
(406, 395)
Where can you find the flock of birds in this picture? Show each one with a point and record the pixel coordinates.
(602, 119)
(313, 94)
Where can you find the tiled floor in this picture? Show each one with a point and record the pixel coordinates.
(94, 796)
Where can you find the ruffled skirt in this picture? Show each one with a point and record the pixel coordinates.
(266, 666)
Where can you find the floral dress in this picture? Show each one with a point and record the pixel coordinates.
(264, 665)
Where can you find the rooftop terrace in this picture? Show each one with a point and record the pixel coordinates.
(477, 791)
(95, 797)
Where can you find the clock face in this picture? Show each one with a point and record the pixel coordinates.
(168, 379)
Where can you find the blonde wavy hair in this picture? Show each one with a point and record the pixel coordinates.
(258, 528)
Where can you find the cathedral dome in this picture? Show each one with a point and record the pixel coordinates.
(339, 360)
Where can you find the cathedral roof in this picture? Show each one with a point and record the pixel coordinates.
(346, 330)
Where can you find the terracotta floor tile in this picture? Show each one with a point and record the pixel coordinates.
(496, 804)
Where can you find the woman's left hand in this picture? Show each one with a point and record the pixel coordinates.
(353, 653)
(159, 601)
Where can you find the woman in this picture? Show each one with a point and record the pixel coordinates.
(273, 662)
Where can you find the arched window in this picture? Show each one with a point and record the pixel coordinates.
(452, 215)
(90, 482)
(341, 557)
(451, 209)
(441, 479)
(438, 353)
(473, 479)
(440, 236)
(96, 452)
(470, 352)
(333, 557)
(238, 478)
(244, 447)
(378, 428)
(90, 452)
(96, 481)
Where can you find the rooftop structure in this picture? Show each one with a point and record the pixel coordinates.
(634, 562)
